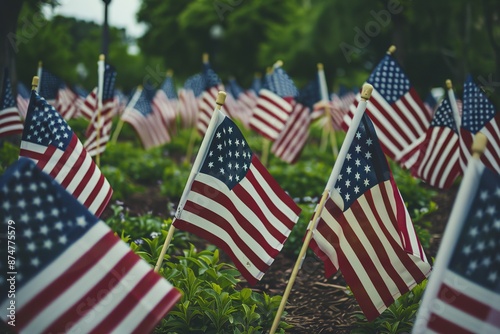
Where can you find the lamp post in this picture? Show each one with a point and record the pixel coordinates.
(105, 30)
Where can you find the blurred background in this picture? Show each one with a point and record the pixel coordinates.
(436, 40)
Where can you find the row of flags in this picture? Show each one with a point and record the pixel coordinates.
(363, 229)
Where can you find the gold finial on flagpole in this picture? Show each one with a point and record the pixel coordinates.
(448, 84)
(205, 58)
(391, 50)
(278, 63)
(320, 66)
(366, 92)
(170, 72)
(479, 145)
(221, 98)
(102, 57)
(34, 82)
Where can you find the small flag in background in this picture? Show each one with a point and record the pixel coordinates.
(438, 158)
(49, 86)
(244, 101)
(463, 292)
(23, 99)
(10, 119)
(71, 272)
(479, 114)
(293, 137)
(48, 140)
(274, 104)
(395, 108)
(99, 130)
(212, 86)
(166, 103)
(147, 121)
(365, 230)
(235, 203)
(188, 100)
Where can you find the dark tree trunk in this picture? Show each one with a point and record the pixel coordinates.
(8, 48)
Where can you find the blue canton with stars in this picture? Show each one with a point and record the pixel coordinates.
(477, 109)
(228, 157)
(234, 89)
(256, 84)
(195, 83)
(364, 166)
(143, 104)
(109, 82)
(47, 220)
(23, 90)
(309, 95)
(210, 78)
(477, 253)
(444, 116)
(281, 84)
(6, 99)
(168, 87)
(389, 79)
(44, 125)
(49, 85)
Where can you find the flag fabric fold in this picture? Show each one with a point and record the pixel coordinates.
(147, 121)
(72, 272)
(396, 110)
(463, 295)
(365, 230)
(479, 115)
(10, 118)
(438, 161)
(188, 100)
(235, 203)
(49, 141)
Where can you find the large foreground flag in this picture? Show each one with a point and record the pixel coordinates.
(397, 112)
(365, 230)
(463, 292)
(147, 121)
(232, 201)
(274, 104)
(10, 119)
(70, 271)
(479, 115)
(48, 140)
(438, 159)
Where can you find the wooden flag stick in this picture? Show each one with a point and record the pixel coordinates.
(365, 95)
(100, 69)
(221, 98)
(266, 145)
(453, 103)
(192, 139)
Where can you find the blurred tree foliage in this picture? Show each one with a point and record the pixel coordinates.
(436, 40)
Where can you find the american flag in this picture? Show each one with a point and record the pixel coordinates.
(23, 99)
(463, 292)
(397, 111)
(99, 129)
(274, 104)
(89, 105)
(235, 203)
(365, 230)
(322, 101)
(244, 101)
(165, 102)
(147, 121)
(48, 140)
(188, 100)
(72, 273)
(438, 159)
(212, 86)
(292, 139)
(67, 102)
(430, 103)
(10, 119)
(49, 85)
(479, 114)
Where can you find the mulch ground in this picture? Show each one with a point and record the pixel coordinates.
(316, 304)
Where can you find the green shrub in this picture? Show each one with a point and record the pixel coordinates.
(9, 154)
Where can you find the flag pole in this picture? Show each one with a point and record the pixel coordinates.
(453, 103)
(221, 98)
(454, 226)
(328, 130)
(39, 75)
(132, 103)
(100, 86)
(365, 96)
